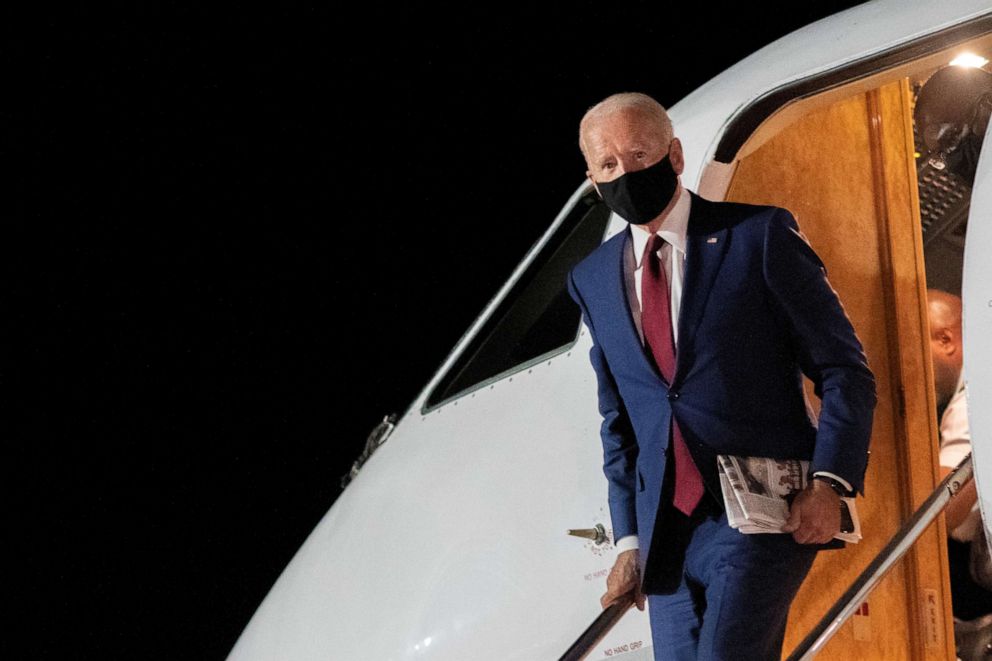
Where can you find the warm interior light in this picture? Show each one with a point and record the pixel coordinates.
(969, 60)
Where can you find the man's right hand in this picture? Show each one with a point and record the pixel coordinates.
(624, 579)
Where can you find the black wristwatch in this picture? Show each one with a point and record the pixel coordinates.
(834, 484)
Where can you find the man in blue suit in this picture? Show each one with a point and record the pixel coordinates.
(703, 317)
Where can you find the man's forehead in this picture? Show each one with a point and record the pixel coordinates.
(627, 125)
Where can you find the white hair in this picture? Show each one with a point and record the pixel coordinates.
(643, 104)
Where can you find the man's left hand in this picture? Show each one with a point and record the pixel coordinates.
(814, 517)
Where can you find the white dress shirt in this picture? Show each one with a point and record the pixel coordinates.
(673, 231)
(672, 254)
(955, 444)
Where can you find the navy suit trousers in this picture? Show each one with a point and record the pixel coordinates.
(734, 596)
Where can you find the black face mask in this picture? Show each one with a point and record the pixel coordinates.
(638, 197)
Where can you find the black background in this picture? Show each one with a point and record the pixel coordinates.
(239, 240)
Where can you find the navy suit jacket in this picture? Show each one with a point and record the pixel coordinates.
(757, 312)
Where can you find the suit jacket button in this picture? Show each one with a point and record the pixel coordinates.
(673, 394)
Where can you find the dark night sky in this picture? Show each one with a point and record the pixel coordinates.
(239, 240)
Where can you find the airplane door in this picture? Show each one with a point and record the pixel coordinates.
(976, 295)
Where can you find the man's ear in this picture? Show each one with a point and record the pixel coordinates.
(953, 342)
(593, 182)
(676, 156)
(946, 341)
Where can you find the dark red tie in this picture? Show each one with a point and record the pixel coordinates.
(656, 322)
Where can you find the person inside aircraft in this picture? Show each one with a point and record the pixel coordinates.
(970, 601)
(952, 114)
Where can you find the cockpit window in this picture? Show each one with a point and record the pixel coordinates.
(537, 318)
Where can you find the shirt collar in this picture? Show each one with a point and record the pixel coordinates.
(673, 228)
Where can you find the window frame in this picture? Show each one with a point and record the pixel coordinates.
(498, 306)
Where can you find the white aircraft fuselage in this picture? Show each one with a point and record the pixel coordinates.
(450, 543)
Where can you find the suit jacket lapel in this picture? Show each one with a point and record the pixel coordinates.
(706, 245)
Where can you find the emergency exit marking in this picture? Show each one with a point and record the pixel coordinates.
(861, 623)
(931, 618)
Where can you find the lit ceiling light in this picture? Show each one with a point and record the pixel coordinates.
(969, 60)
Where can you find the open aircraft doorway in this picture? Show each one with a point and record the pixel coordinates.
(462, 512)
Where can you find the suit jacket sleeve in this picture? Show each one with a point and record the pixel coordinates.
(619, 444)
(827, 348)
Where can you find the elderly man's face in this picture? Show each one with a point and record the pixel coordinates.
(626, 142)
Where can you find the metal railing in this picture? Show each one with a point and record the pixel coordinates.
(598, 629)
(910, 531)
(848, 603)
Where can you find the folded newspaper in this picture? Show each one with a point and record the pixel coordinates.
(757, 492)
